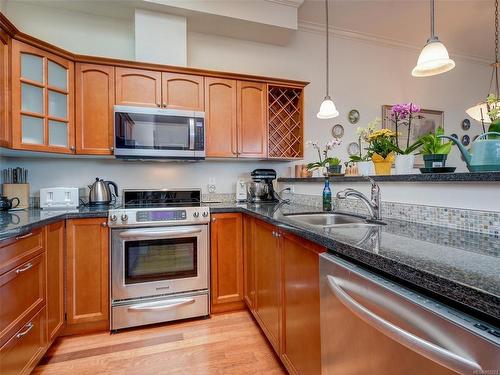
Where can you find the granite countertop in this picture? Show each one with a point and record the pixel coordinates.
(459, 265)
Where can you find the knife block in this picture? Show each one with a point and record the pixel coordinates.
(20, 191)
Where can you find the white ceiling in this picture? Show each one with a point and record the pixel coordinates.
(466, 27)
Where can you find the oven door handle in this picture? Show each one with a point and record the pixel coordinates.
(162, 305)
(139, 234)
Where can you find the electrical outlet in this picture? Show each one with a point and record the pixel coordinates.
(211, 186)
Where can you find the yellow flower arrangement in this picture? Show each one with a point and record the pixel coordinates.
(382, 133)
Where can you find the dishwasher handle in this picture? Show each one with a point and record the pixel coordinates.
(415, 343)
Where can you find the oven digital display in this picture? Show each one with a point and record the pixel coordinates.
(165, 215)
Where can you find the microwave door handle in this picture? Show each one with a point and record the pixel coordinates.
(427, 349)
(191, 133)
(157, 234)
(162, 305)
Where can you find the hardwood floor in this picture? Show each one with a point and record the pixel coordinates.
(224, 344)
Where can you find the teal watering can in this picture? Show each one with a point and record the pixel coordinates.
(484, 155)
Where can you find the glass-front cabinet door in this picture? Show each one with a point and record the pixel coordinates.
(42, 100)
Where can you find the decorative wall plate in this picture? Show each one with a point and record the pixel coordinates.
(338, 131)
(466, 124)
(353, 149)
(353, 116)
(465, 140)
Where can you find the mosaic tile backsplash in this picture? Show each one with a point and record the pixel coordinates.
(487, 222)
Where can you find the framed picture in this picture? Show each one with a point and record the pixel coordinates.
(430, 121)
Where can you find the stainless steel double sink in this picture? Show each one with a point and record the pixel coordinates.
(332, 219)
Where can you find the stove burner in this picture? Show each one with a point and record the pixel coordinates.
(161, 198)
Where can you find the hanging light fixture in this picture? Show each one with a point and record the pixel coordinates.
(480, 111)
(327, 109)
(434, 58)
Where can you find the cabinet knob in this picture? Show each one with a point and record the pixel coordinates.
(72, 148)
(213, 220)
(104, 225)
(158, 104)
(112, 148)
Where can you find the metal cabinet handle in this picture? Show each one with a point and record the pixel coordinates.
(162, 305)
(427, 349)
(24, 236)
(29, 327)
(24, 269)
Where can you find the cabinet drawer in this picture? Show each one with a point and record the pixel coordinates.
(22, 292)
(17, 251)
(21, 353)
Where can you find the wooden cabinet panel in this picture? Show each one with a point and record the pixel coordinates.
(87, 275)
(267, 281)
(182, 91)
(22, 292)
(42, 100)
(22, 352)
(138, 87)
(54, 245)
(95, 98)
(220, 118)
(20, 249)
(251, 119)
(248, 262)
(5, 139)
(226, 262)
(301, 338)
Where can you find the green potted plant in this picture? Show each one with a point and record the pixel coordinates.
(383, 148)
(493, 104)
(325, 161)
(434, 150)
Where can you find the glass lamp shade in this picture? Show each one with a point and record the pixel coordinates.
(327, 109)
(475, 113)
(433, 60)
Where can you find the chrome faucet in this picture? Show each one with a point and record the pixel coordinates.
(373, 204)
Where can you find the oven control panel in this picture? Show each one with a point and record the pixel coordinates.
(158, 216)
(165, 215)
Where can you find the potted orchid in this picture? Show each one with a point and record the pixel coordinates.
(401, 116)
(363, 159)
(328, 165)
(383, 148)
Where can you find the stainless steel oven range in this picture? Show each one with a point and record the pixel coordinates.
(159, 257)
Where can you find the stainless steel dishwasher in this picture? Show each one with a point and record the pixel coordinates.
(371, 325)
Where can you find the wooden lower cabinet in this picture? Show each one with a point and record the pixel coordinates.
(87, 275)
(23, 351)
(226, 262)
(301, 337)
(248, 262)
(283, 274)
(54, 247)
(267, 263)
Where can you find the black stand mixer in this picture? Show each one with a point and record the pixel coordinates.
(261, 189)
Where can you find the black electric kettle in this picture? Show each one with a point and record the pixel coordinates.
(7, 204)
(100, 192)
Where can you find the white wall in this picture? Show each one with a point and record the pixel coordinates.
(365, 75)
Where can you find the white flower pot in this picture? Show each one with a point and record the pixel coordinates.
(366, 168)
(404, 164)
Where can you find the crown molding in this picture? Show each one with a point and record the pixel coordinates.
(289, 3)
(317, 28)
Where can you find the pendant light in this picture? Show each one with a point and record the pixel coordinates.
(434, 58)
(480, 111)
(327, 109)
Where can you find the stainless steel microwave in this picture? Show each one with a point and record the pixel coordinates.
(155, 133)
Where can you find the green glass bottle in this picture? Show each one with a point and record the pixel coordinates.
(327, 196)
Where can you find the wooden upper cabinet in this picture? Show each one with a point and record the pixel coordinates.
(87, 275)
(251, 119)
(182, 91)
(138, 87)
(95, 98)
(54, 245)
(268, 281)
(301, 337)
(42, 100)
(5, 138)
(220, 118)
(226, 262)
